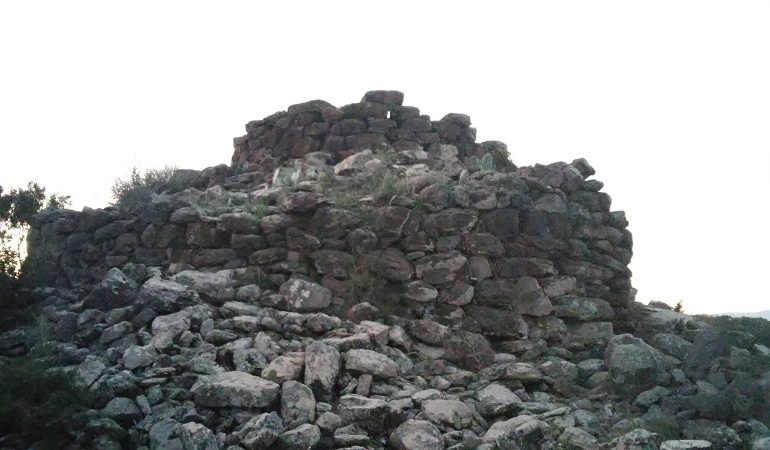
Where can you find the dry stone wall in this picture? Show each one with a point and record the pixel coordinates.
(524, 256)
(421, 293)
(379, 122)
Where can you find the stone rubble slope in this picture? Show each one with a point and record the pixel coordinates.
(364, 277)
(243, 375)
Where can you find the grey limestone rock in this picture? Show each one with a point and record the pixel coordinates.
(298, 405)
(416, 435)
(234, 389)
(322, 365)
(303, 295)
(371, 362)
(260, 432)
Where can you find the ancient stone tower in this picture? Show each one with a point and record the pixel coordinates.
(378, 203)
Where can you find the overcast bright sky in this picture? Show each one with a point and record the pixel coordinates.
(669, 100)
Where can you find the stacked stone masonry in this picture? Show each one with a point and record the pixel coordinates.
(366, 278)
(529, 252)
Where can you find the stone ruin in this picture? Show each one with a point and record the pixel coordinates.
(419, 283)
(502, 250)
(379, 122)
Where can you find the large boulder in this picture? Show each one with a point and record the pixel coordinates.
(123, 410)
(371, 362)
(582, 308)
(416, 435)
(234, 390)
(430, 331)
(589, 334)
(239, 223)
(496, 399)
(197, 436)
(522, 372)
(633, 365)
(389, 98)
(708, 345)
(333, 222)
(334, 262)
(468, 350)
(440, 268)
(302, 295)
(524, 266)
(450, 221)
(529, 299)
(214, 287)
(719, 434)
(522, 431)
(391, 264)
(495, 322)
(354, 163)
(135, 357)
(303, 437)
(285, 367)
(671, 344)
(322, 365)
(299, 202)
(297, 404)
(420, 291)
(166, 296)
(448, 412)
(484, 244)
(166, 328)
(353, 407)
(686, 444)
(260, 432)
(116, 290)
(475, 196)
(637, 439)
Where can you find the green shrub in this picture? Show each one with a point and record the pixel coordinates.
(257, 208)
(37, 402)
(138, 187)
(420, 206)
(487, 162)
(385, 183)
(338, 194)
(345, 199)
(9, 272)
(236, 170)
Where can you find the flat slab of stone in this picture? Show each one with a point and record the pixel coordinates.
(686, 444)
(450, 412)
(369, 361)
(234, 390)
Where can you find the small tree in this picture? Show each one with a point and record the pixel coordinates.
(17, 208)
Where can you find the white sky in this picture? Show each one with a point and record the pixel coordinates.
(669, 100)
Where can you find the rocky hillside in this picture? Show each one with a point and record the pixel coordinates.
(761, 314)
(365, 277)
